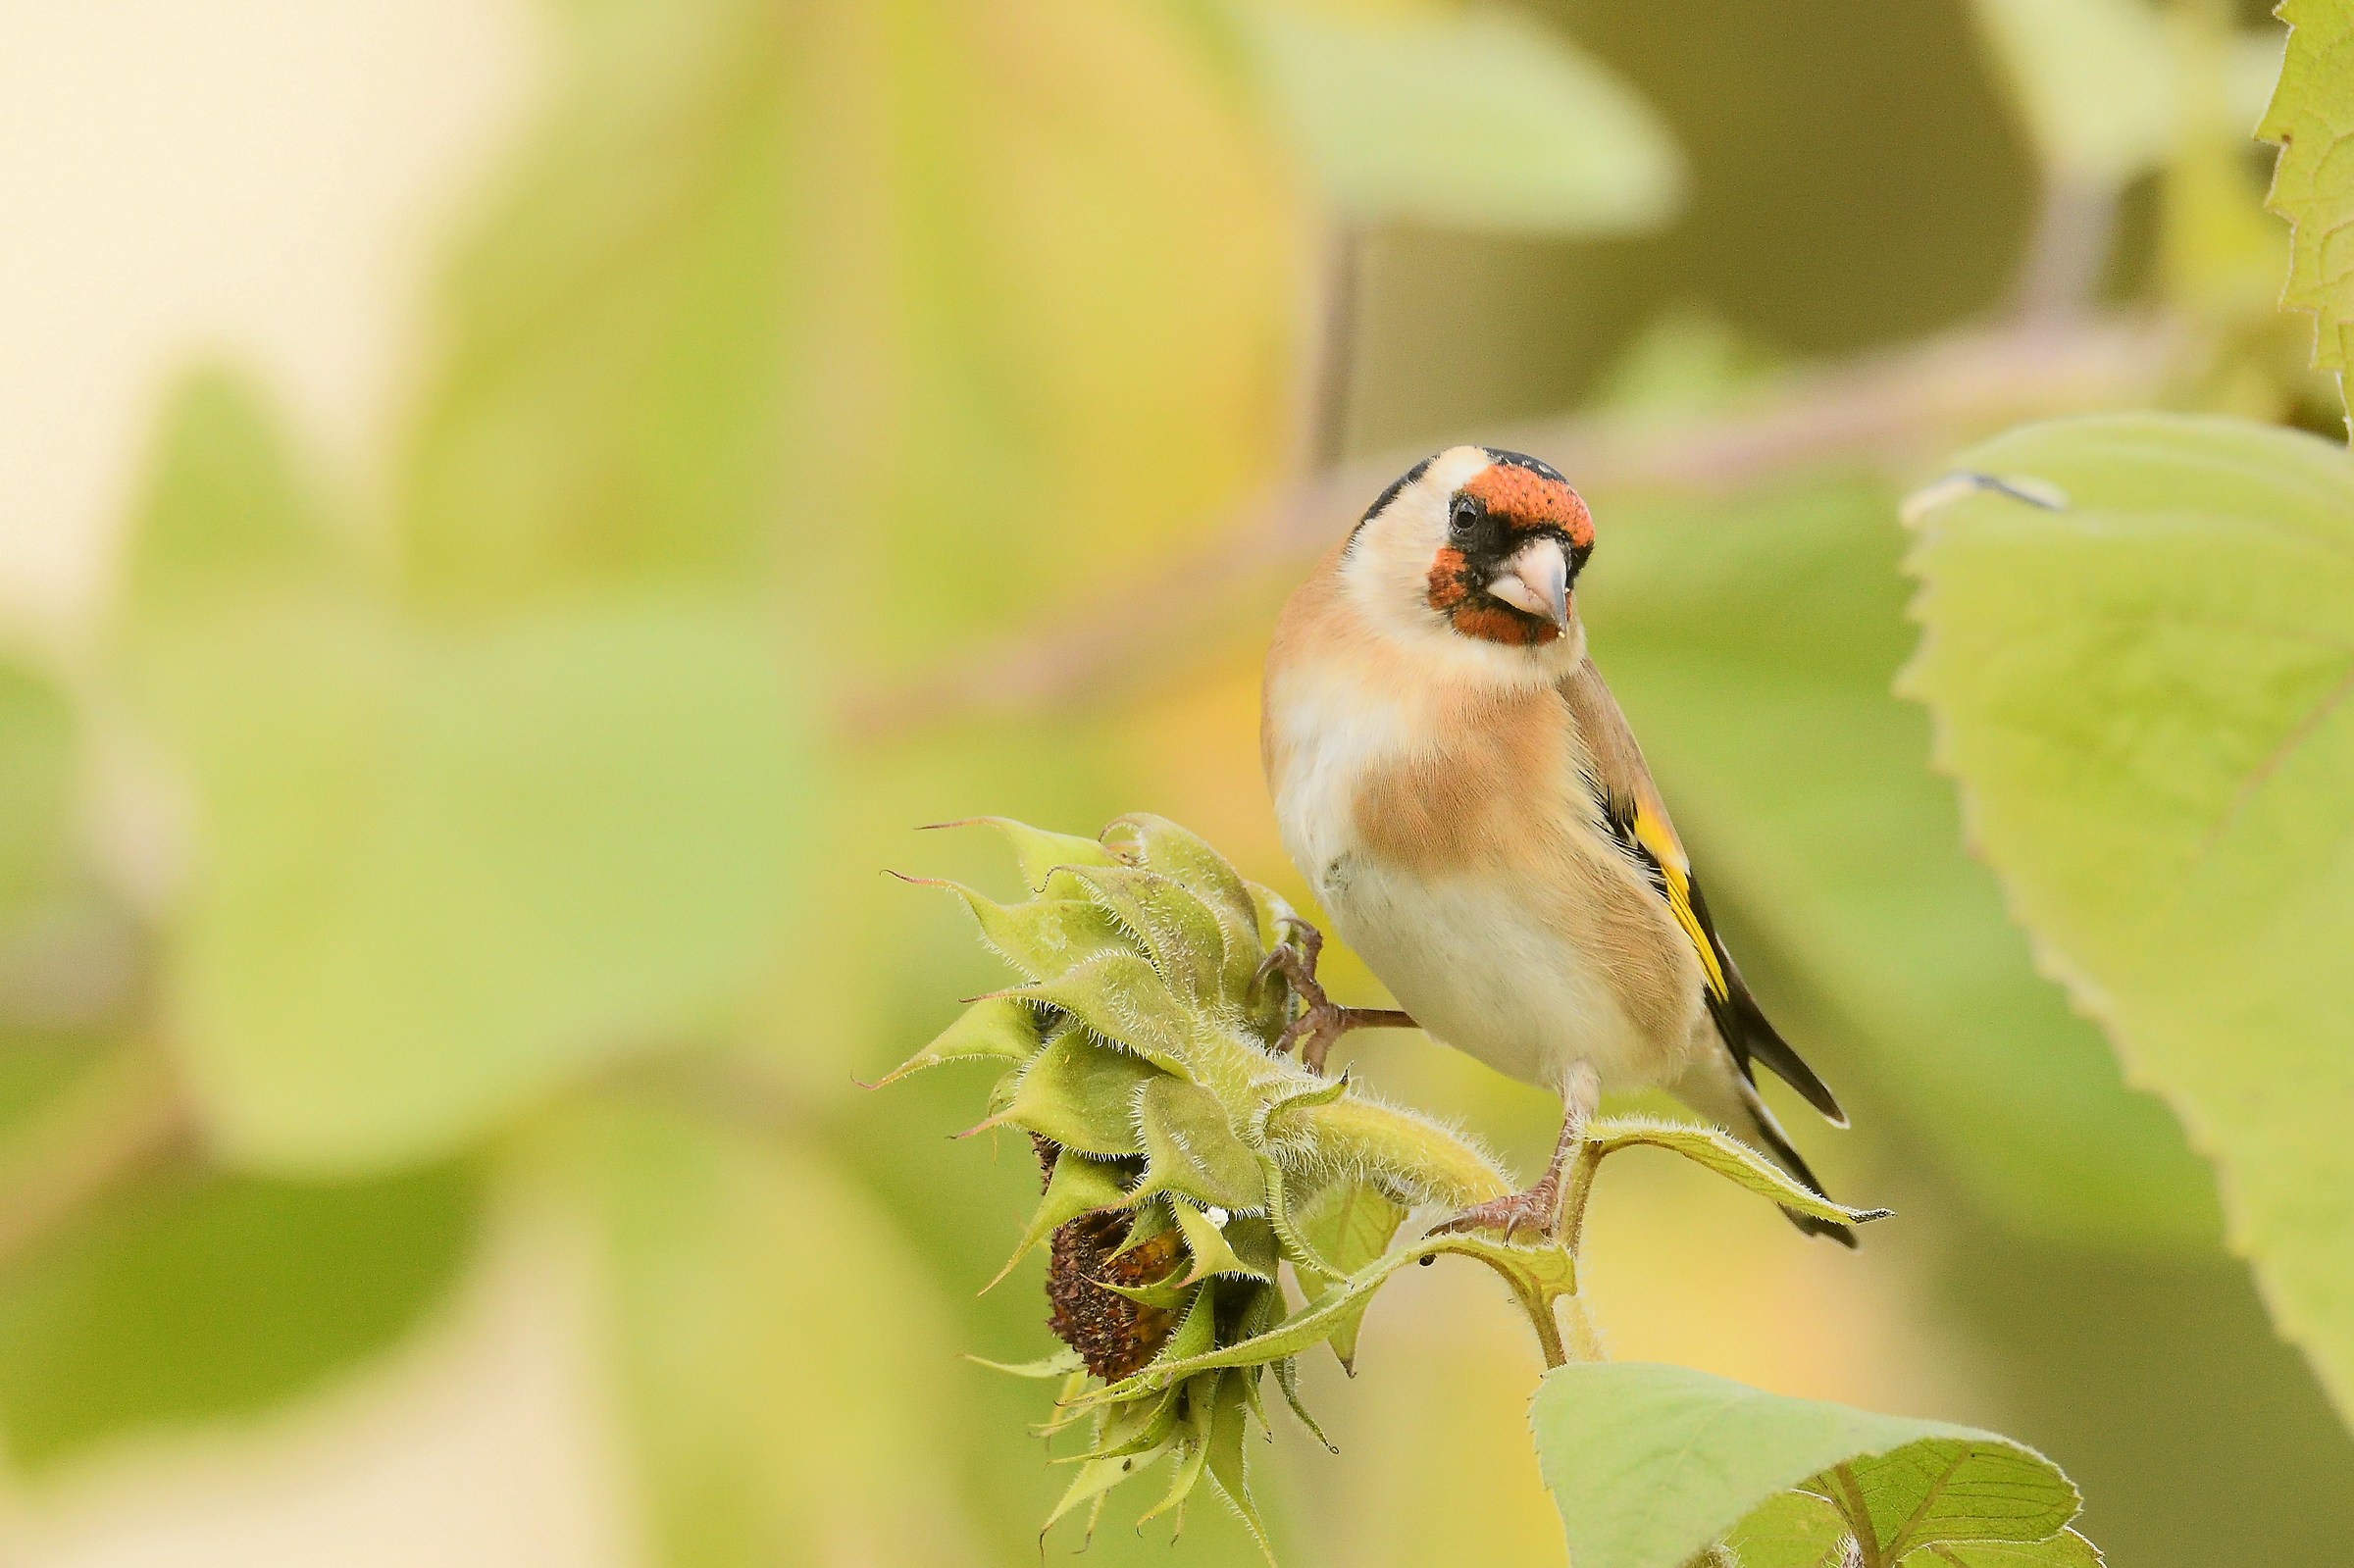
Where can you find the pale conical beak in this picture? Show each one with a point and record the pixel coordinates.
(1537, 579)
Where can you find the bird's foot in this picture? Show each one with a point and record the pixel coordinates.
(1535, 1213)
(1321, 1020)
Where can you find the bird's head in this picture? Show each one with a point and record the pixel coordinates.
(1475, 544)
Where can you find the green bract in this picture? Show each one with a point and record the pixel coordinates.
(1187, 1164)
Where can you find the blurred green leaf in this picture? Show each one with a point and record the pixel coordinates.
(1651, 1463)
(2139, 651)
(187, 1298)
(614, 395)
(965, 304)
(2312, 184)
(781, 1361)
(2095, 80)
(1472, 118)
(440, 873)
(445, 878)
(36, 783)
(1754, 646)
(229, 516)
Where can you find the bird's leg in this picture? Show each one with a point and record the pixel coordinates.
(1321, 1020)
(1539, 1209)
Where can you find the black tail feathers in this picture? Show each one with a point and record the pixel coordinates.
(1770, 1134)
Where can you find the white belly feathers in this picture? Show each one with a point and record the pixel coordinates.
(1488, 977)
(1479, 968)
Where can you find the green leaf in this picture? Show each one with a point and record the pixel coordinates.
(1133, 1429)
(1718, 1150)
(1095, 1478)
(778, 1356)
(231, 518)
(1191, 1150)
(1543, 1273)
(581, 826)
(1649, 1464)
(1194, 1457)
(37, 785)
(1061, 1364)
(2313, 183)
(187, 1299)
(1792, 1530)
(1473, 119)
(1950, 1489)
(729, 216)
(1082, 1095)
(997, 1029)
(2067, 1549)
(1161, 845)
(579, 823)
(1196, 1331)
(2160, 764)
(1754, 646)
(2094, 80)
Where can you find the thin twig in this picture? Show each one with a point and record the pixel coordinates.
(2067, 258)
(1331, 399)
(1892, 412)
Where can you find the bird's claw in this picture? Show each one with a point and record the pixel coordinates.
(1537, 1211)
(1321, 1020)
(1313, 1033)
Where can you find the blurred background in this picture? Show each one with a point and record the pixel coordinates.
(511, 513)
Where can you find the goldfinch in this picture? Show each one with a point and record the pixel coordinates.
(1465, 796)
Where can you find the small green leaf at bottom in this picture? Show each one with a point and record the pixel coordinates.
(1650, 1464)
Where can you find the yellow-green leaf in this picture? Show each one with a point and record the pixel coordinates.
(1650, 1464)
(2140, 647)
(1718, 1150)
(2312, 118)
(2094, 80)
(1471, 117)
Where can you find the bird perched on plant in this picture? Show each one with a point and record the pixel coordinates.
(1464, 796)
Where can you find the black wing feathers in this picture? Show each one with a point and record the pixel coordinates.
(1749, 1033)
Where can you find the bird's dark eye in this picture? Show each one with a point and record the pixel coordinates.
(1462, 517)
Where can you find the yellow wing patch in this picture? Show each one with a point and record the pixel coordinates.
(1653, 834)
